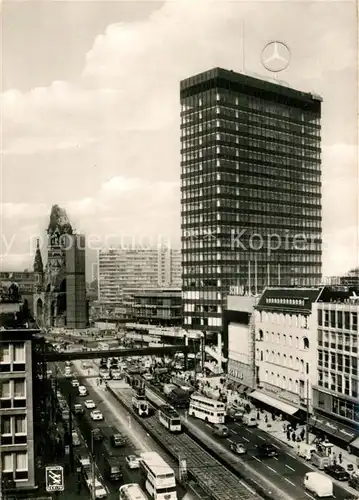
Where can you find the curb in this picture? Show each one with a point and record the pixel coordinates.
(285, 445)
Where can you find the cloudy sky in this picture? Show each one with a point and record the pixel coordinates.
(90, 109)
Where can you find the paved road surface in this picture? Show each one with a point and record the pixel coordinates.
(285, 472)
(114, 416)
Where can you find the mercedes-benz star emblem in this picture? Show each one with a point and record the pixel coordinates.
(275, 56)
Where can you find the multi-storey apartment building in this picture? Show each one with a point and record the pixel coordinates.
(16, 404)
(285, 348)
(250, 181)
(336, 387)
(123, 272)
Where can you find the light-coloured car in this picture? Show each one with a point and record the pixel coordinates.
(90, 404)
(238, 448)
(133, 462)
(105, 375)
(96, 415)
(147, 376)
(100, 491)
(75, 382)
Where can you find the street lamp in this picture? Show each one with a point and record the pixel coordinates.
(93, 495)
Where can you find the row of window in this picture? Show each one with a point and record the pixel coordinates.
(282, 382)
(338, 382)
(265, 195)
(297, 320)
(303, 281)
(217, 322)
(339, 362)
(12, 357)
(346, 409)
(338, 319)
(284, 360)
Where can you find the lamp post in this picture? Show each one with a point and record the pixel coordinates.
(308, 414)
(93, 493)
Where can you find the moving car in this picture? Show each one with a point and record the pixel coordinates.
(112, 468)
(89, 403)
(267, 451)
(97, 434)
(78, 409)
(133, 461)
(148, 377)
(75, 382)
(82, 390)
(96, 415)
(99, 490)
(238, 448)
(220, 430)
(338, 472)
(117, 439)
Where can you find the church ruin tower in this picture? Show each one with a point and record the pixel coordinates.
(63, 297)
(38, 268)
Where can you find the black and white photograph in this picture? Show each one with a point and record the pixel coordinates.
(179, 250)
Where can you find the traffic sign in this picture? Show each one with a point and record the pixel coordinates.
(54, 478)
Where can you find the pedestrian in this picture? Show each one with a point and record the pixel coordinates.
(302, 434)
(293, 436)
(340, 458)
(266, 418)
(288, 435)
(284, 427)
(258, 415)
(334, 459)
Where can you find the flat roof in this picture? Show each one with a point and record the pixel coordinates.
(232, 80)
(156, 463)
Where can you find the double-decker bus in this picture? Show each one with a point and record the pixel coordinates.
(140, 404)
(157, 476)
(131, 491)
(169, 418)
(207, 409)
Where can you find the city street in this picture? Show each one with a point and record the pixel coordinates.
(115, 416)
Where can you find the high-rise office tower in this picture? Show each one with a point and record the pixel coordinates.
(251, 190)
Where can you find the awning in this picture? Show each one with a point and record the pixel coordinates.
(333, 428)
(355, 443)
(279, 405)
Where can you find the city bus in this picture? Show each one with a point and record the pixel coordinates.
(140, 404)
(158, 478)
(131, 492)
(207, 409)
(169, 418)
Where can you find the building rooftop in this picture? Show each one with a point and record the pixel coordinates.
(14, 312)
(158, 292)
(224, 78)
(297, 299)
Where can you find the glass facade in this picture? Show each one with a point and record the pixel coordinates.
(250, 190)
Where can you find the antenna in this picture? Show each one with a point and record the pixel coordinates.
(243, 47)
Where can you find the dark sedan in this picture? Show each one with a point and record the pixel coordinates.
(97, 434)
(338, 472)
(267, 451)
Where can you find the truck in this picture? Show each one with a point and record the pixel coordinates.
(320, 459)
(179, 398)
(318, 484)
(305, 450)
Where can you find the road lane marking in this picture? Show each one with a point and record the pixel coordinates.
(255, 458)
(248, 430)
(262, 438)
(310, 496)
(275, 446)
(275, 458)
(289, 467)
(234, 432)
(246, 439)
(288, 481)
(208, 426)
(230, 441)
(270, 468)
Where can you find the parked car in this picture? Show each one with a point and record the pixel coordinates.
(267, 450)
(338, 472)
(75, 382)
(78, 409)
(133, 461)
(354, 482)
